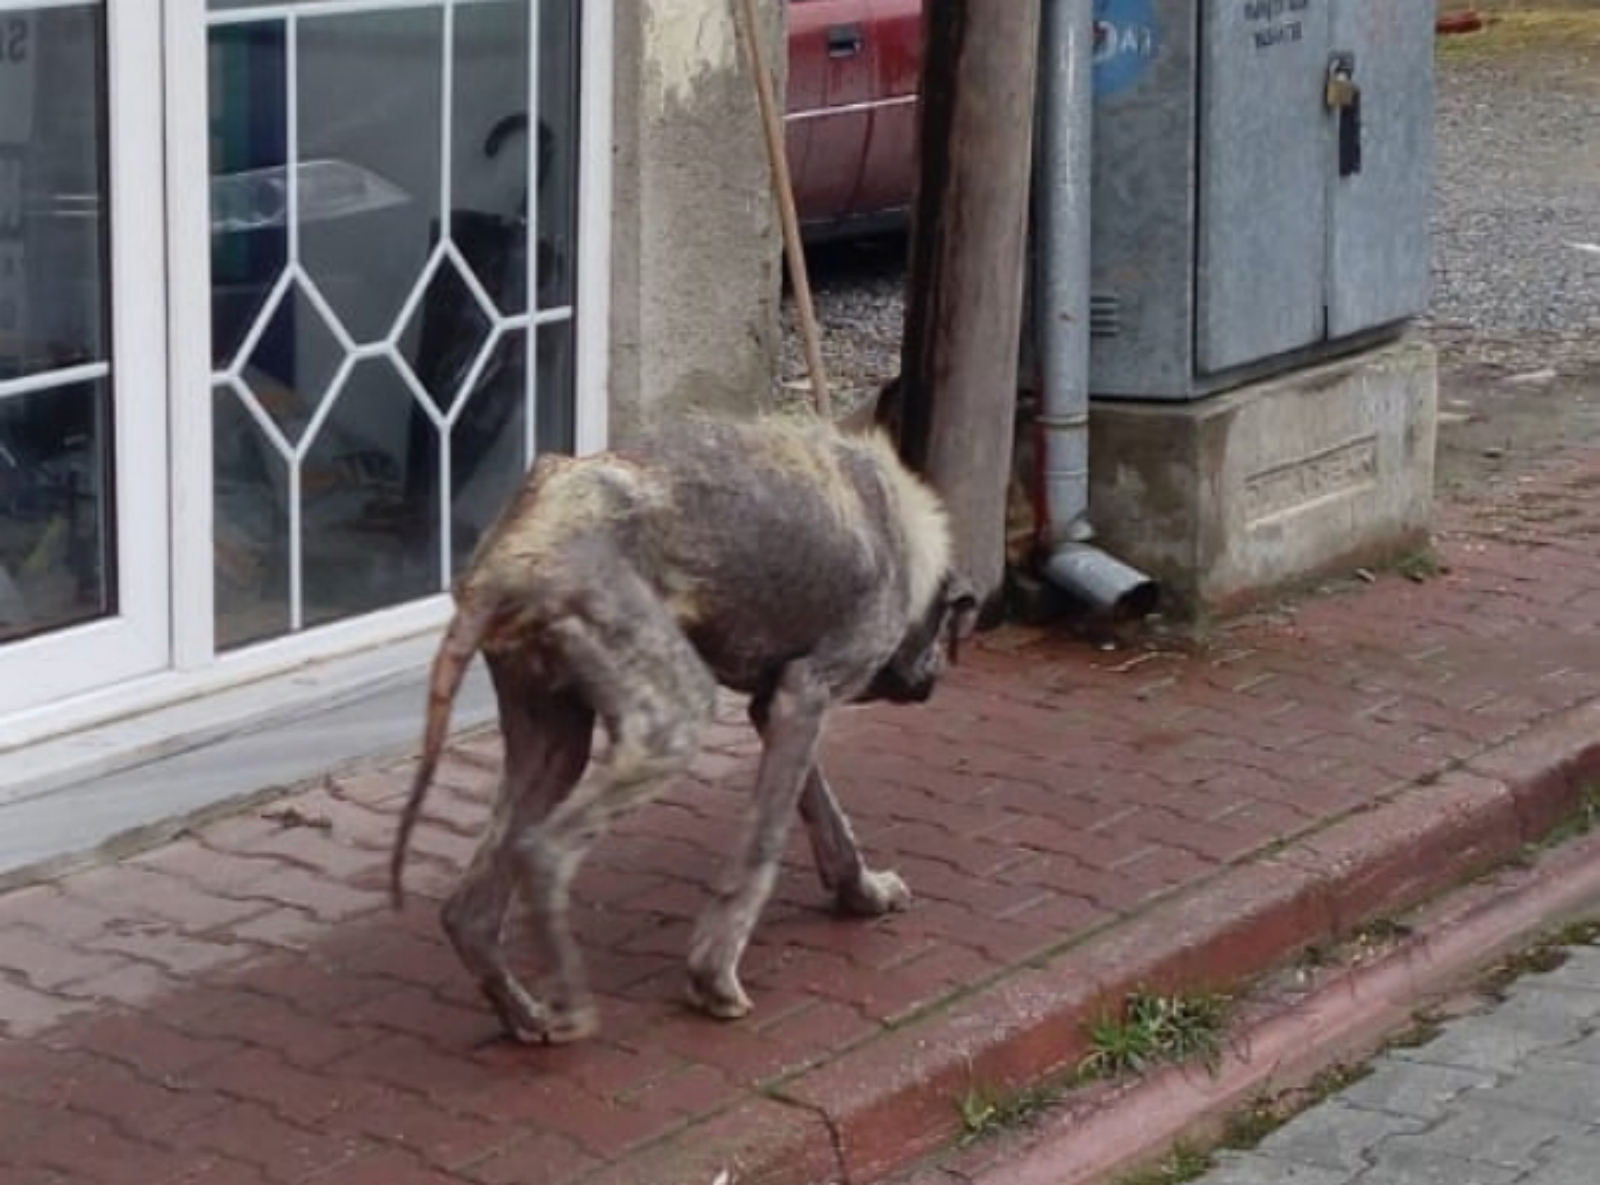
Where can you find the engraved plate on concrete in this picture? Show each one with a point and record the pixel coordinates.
(1307, 482)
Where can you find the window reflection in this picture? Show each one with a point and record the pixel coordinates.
(373, 295)
(56, 541)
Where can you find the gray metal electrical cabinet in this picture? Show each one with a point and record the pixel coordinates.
(1262, 180)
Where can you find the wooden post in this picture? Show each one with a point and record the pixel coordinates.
(953, 408)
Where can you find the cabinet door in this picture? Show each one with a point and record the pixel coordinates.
(1263, 192)
(1378, 246)
(829, 103)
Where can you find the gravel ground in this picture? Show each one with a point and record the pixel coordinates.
(1517, 289)
(1516, 232)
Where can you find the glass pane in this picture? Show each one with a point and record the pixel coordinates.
(432, 293)
(370, 106)
(56, 536)
(293, 364)
(557, 213)
(52, 191)
(55, 542)
(446, 336)
(365, 543)
(249, 145)
(557, 430)
(251, 528)
(489, 167)
(488, 446)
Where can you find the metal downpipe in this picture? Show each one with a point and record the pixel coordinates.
(1061, 315)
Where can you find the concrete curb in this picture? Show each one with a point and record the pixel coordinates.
(1347, 1018)
(893, 1099)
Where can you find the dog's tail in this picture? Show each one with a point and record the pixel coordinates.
(461, 641)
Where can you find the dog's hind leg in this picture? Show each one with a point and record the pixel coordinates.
(792, 725)
(547, 739)
(856, 888)
(654, 697)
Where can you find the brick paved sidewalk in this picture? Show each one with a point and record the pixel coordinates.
(240, 1006)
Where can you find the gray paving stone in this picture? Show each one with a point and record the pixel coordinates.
(1484, 1129)
(1552, 999)
(1497, 1043)
(1561, 1088)
(1586, 1050)
(1509, 1096)
(1574, 1160)
(1252, 1168)
(1415, 1088)
(1335, 1135)
(1401, 1161)
(1581, 971)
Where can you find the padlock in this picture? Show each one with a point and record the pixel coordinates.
(1343, 96)
(1342, 91)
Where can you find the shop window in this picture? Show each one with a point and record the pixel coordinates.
(393, 216)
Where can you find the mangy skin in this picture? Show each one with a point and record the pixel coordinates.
(781, 559)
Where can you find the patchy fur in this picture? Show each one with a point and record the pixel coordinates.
(780, 559)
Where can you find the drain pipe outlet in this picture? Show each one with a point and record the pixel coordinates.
(1061, 315)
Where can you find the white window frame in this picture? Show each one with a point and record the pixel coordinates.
(135, 640)
(196, 666)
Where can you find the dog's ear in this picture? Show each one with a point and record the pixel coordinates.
(961, 613)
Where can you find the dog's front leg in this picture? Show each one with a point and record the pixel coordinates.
(789, 743)
(855, 888)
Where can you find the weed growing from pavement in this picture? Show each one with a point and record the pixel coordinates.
(1419, 566)
(1543, 956)
(1182, 1163)
(1360, 945)
(985, 1111)
(1425, 1026)
(1152, 1029)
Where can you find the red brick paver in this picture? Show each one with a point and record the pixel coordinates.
(240, 1005)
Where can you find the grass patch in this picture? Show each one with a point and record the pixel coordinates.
(1183, 1163)
(1425, 1026)
(1152, 1029)
(1419, 566)
(1542, 957)
(985, 1111)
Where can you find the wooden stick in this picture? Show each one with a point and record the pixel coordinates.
(783, 190)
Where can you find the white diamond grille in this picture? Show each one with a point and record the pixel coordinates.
(295, 277)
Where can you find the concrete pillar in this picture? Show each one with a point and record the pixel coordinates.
(696, 248)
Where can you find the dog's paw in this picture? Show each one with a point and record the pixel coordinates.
(720, 996)
(563, 1026)
(874, 894)
(522, 1017)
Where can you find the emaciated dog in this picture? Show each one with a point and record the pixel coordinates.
(782, 559)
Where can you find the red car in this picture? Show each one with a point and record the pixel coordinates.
(851, 112)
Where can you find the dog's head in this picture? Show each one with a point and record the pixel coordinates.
(928, 646)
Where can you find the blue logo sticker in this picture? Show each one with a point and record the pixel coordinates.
(1124, 44)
